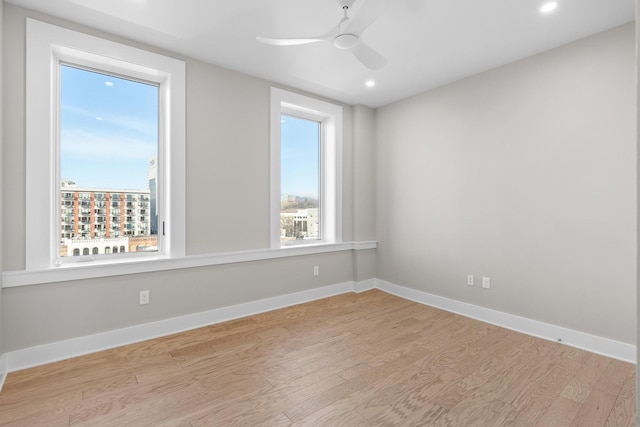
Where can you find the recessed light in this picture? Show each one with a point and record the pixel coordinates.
(549, 7)
(370, 83)
(108, 84)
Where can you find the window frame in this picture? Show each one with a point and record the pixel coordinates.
(330, 198)
(48, 46)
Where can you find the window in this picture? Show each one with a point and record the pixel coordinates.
(74, 79)
(300, 148)
(306, 170)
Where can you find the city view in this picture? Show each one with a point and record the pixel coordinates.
(108, 164)
(97, 221)
(300, 177)
(298, 218)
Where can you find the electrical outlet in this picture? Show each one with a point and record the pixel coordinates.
(486, 282)
(316, 270)
(470, 279)
(144, 297)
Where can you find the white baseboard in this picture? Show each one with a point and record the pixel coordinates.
(3, 370)
(595, 344)
(60, 350)
(364, 285)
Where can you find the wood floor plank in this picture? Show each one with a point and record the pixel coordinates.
(136, 409)
(184, 412)
(338, 415)
(532, 407)
(13, 409)
(480, 409)
(141, 396)
(42, 419)
(253, 409)
(623, 413)
(383, 391)
(409, 401)
(595, 410)
(560, 414)
(115, 384)
(368, 359)
(304, 409)
(580, 387)
(613, 377)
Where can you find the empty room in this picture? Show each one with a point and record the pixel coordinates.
(318, 213)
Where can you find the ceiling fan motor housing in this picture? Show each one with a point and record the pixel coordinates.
(346, 41)
(345, 3)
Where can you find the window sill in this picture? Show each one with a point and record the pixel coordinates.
(78, 271)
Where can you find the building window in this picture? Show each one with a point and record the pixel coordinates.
(300, 149)
(90, 98)
(306, 165)
(76, 252)
(95, 251)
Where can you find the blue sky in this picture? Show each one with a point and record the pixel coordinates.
(109, 129)
(299, 156)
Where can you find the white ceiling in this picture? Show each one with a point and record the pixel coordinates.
(428, 43)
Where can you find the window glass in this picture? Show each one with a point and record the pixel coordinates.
(108, 138)
(306, 177)
(300, 179)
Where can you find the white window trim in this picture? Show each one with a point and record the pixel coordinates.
(284, 102)
(47, 45)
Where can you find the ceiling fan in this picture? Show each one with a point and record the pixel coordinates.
(346, 35)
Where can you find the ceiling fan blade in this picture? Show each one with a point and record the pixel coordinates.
(288, 42)
(369, 57)
(326, 37)
(369, 11)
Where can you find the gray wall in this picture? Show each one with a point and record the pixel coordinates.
(364, 226)
(525, 174)
(363, 167)
(227, 210)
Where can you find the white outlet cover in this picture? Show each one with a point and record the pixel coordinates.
(486, 282)
(144, 297)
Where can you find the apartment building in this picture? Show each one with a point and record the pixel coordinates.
(92, 215)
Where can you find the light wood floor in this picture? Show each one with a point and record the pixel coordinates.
(367, 359)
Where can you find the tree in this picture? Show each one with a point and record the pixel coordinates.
(286, 224)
